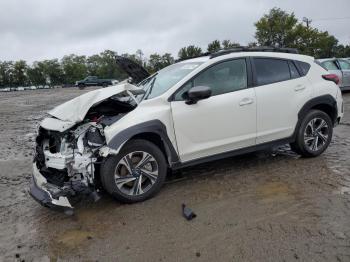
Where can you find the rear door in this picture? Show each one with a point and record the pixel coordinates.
(345, 68)
(281, 90)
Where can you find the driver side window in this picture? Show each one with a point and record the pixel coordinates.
(222, 78)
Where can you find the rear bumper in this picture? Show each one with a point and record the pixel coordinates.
(40, 192)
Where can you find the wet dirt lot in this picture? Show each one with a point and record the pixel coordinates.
(258, 207)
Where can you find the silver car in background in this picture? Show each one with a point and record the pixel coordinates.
(340, 67)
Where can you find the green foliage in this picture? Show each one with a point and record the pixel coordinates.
(227, 44)
(52, 72)
(281, 29)
(343, 51)
(6, 73)
(74, 68)
(214, 46)
(19, 73)
(189, 51)
(156, 62)
(276, 28)
(36, 74)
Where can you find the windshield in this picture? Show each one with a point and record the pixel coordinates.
(164, 79)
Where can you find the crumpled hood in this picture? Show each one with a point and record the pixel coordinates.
(75, 110)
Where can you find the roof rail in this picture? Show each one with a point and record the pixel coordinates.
(245, 49)
(254, 49)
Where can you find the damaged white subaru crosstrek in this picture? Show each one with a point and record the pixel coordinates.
(125, 138)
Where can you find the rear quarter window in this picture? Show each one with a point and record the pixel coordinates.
(303, 67)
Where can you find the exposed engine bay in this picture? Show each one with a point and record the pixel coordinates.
(69, 159)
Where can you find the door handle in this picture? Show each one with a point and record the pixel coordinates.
(299, 87)
(246, 101)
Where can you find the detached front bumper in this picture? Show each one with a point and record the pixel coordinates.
(40, 191)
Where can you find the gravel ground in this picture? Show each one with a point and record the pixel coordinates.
(258, 207)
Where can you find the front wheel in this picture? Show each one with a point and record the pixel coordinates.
(314, 134)
(136, 173)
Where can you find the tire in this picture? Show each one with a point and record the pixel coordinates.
(104, 84)
(314, 134)
(81, 86)
(115, 169)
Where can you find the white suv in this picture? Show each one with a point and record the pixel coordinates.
(125, 138)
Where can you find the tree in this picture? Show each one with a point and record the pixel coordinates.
(280, 29)
(156, 62)
(52, 72)
(6, 73)
(214, 46)
(36, 74)
(108, 67)
(189, 52)
(74, 68)
(227, 44)
(310, 41)
(342, 51)
(20, 73)
(168, 59)
(139, 56)
(93, 64)
(276, 28)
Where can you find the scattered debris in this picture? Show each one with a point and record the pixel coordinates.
(188, 213)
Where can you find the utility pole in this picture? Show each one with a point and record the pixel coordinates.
(307, 21)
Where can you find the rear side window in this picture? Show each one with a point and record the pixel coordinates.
(329, 65)
(270, 70)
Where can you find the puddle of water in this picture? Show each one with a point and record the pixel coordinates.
(73, 238)
(273, 190)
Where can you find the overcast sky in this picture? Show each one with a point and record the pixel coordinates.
(45, 29)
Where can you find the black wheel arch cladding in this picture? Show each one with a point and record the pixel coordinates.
(153, 126)
(317, 103)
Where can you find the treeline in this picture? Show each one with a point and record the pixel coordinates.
(277, 28)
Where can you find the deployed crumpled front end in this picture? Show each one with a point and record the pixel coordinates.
(70, 145)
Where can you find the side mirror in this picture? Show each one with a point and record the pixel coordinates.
(197, 93)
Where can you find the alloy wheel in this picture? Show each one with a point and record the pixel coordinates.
(136, 173)
(316, 134)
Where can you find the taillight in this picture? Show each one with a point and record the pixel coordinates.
(331, 77)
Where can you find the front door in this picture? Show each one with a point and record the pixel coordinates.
(225, 121)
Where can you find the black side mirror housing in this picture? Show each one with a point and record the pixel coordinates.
(197, 93)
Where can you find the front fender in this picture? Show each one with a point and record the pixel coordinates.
(153, 126)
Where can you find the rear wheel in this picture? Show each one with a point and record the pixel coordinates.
(314, 134)
(136, 173)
